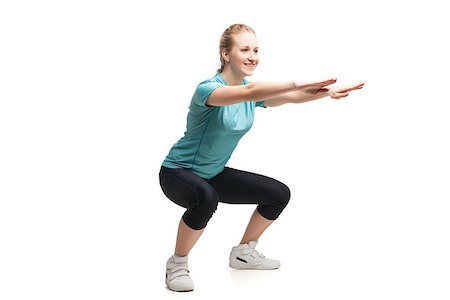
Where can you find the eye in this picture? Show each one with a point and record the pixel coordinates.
(244, 50)
(256, 51)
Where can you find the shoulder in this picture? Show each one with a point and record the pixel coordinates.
(205, 88)
(216, 80)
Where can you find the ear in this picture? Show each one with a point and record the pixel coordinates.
(225, 56)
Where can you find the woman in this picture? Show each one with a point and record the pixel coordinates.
(194, 175)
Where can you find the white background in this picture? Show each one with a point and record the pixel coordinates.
(94, 93)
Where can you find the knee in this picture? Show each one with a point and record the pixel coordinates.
(286, 194)
(203, 205)
(283, 195)
(206, 198)
(279, 196)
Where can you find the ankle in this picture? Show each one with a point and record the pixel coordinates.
(181, 253)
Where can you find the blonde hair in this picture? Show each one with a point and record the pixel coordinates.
(226, 40)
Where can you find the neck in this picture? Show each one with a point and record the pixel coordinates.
(232, 78)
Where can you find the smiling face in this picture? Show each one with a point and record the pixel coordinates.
(243, 58)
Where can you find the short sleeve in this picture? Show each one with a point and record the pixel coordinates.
(203, 91)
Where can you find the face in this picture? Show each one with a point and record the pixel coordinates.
(244, 57)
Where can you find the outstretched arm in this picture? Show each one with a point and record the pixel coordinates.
(309, 95)
(255, 91)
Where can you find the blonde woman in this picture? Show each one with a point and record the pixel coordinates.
(194, 173)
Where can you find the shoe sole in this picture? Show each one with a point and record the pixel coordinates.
(179, 289)
(247, 267)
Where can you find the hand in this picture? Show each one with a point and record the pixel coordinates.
(314, 87)
(343, 91)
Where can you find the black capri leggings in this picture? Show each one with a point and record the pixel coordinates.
(200, 196)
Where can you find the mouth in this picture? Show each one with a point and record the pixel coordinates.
(250, 65)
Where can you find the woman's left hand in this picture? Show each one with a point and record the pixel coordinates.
(343, 91)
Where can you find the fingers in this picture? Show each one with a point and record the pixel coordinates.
(326, 82)
(321, 87)
(314, 85)
(357, 87)
(351, 88)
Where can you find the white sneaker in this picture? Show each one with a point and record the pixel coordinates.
(245, 257)
(177, 274)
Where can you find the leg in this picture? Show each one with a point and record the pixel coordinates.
(272, 196)
(241, 187)
(186, 238)
(244, 256)
(200, 200)
(255, 228)
(198, 197)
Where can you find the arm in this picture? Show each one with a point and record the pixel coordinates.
(293, 97)
(300, 97)
(226, 95)
(255, 91)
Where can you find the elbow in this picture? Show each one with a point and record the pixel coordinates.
(249, 94)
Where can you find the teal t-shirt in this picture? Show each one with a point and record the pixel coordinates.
(212, 132)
